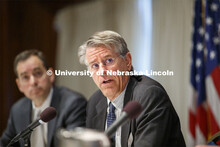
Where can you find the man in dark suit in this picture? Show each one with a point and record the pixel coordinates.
(106, 53)
(36, 82)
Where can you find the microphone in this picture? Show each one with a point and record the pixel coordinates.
(48, 114)
(130, 111)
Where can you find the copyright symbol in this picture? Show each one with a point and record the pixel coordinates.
(49, 72)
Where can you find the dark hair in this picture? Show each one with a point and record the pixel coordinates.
(27, 54)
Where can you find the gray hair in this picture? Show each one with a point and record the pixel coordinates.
(109, 39)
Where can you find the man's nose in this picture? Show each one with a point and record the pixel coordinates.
(102, 69)
(33, 80)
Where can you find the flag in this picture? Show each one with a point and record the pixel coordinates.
(204, 110)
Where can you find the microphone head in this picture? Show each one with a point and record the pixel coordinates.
(133, 109)
(48, 114)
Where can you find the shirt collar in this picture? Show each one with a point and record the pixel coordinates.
(119, 100)
(46, 102)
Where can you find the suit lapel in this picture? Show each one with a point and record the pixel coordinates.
(100, 118)
(26, 119)
(128, 97)
(52, 124)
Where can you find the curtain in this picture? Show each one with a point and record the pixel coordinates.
(171, 50)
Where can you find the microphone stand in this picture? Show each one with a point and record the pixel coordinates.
(48, 114)
(26, 139)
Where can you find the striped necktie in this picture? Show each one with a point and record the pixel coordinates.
(111, 117)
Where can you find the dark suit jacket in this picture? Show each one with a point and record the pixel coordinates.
(157, 125)
(71, 112)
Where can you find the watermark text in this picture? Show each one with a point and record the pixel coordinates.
(111, 73)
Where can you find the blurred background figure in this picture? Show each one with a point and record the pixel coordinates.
(35, 80)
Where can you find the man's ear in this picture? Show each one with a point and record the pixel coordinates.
(19, 85)
(51, 76)
(129, 60)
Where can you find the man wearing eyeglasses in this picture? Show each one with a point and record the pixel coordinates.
(40, 92)
(157, 125)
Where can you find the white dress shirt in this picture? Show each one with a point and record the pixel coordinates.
(39, 134)
(118, 104)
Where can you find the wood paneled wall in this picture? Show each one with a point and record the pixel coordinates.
(23, 25)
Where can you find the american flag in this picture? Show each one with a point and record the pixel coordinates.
(204, 111)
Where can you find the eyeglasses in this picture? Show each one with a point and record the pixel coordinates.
(107, 62)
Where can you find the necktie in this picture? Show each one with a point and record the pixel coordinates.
(111, 115)
(37, 136)
(110, 119)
